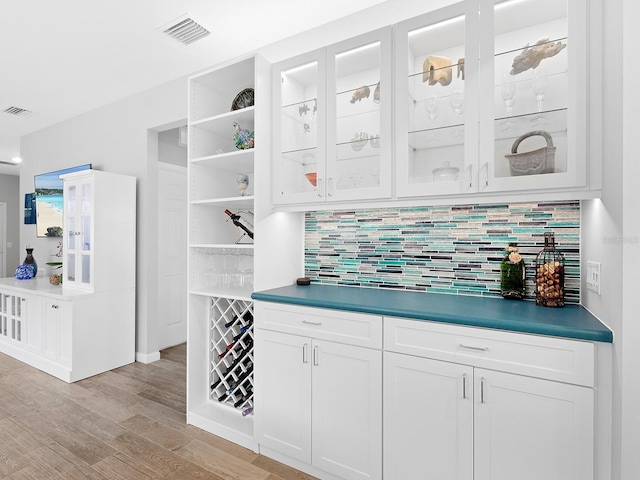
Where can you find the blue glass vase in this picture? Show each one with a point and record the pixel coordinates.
(30, 261)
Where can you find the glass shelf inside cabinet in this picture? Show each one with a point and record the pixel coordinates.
(531, 87)
(436, 101)
(299, 128)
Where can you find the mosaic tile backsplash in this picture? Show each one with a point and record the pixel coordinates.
(452, 249)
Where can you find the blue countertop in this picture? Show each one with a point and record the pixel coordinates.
(570, 321)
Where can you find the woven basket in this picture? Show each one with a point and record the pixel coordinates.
(535, 162)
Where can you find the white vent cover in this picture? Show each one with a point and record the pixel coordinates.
(17, 111)
(185, 30)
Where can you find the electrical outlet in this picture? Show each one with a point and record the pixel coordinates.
(593, 276)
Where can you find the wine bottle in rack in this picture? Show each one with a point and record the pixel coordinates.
(230, 391)
(248, 344)
(242, 222)
(247, 316)
(245, 397)
(241, 358)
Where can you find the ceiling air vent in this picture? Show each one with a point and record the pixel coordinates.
(17, 111)
(185, 30)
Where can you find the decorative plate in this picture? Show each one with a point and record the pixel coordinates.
(243, 99)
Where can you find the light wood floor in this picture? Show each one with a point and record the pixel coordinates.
(121, 425)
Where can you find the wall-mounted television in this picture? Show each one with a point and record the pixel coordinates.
(49, 203)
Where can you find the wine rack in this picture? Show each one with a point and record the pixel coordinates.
(231, 353)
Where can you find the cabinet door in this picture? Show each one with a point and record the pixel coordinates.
(428, 419)
(283, 393)
(57, 334)
(78, 248)
(359, 110)
(299, 114)
(529, 429)
(436, 82)
(534, 102)
(347, 410)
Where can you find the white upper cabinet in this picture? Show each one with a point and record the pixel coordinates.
(436, 102)
(332, 123)
(492, 97)
(533, 107)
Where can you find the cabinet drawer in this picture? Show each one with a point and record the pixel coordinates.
(321, 323)
(559, 359)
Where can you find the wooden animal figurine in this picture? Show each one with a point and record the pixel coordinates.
(437, 69)
(359, 94)
(531, 57)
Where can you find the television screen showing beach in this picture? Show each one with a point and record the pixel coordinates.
(49, 201)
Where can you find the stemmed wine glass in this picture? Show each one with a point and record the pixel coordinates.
(431, 105)
(242, 181)
(508, 97)
(456, 100)
(508, 92)
(540, 83)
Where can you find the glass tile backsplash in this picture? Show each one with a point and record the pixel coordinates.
(443, 249)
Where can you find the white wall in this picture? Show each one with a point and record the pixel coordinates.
(10, 194)
(611, 228)
(113, 138)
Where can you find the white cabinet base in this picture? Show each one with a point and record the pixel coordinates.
(72, 334)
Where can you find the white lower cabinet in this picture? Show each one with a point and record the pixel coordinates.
(529, 428)
(320, 401)
(455, 420)
(57, 332)
(70, 334)
(428, 418)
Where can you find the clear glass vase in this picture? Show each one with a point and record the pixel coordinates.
(512, 274)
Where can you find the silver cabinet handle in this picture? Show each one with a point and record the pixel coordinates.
(54, 306)
(311, 323)
(305, 358)
(464, 386)
(330, 187)
(315, 355)
(471, 347)
(469, 177)
(319, 188)
(481, 389)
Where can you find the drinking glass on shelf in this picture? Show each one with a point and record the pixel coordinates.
(508, 92)
(431, 105)
(456, 100)
(242, 181)
(539, 82)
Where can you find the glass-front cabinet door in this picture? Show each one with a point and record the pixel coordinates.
(78, 249)
(436, 68)
(359, 110)
(332, 123)
(299, 129)
(533, 114)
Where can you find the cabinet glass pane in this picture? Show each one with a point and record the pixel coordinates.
(86, 269)
(436, 101)
(71, 233)
(86, 198)
(71, 200)
(71, 267)
(357, 100)
(86, 233)
(299, 128)
(530, 87)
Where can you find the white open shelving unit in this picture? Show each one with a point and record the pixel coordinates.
(221, 258)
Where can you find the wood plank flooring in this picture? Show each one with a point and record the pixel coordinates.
(126, 424)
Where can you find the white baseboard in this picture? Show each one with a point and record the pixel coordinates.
(147, 357)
